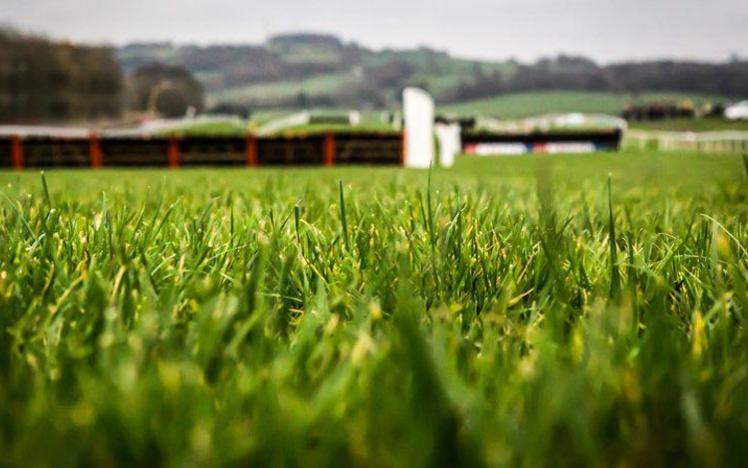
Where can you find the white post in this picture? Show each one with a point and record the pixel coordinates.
(419, 128)
(450, 143)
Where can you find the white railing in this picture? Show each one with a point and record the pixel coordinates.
(707, 142)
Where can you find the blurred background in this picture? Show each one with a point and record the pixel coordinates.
(668, 65)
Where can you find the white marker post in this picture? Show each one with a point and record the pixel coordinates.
(419, 128)
(450, 143)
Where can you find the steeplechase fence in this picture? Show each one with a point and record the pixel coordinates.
(324, 149)
(508, 143)
(95, 151)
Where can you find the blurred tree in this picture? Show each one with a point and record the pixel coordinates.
(41, 80)
(166, 90)
(302, 100)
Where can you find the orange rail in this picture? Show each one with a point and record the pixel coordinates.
(173, 153)
(251, 150)
(16, 152)
(94, 149)
(403, 140)
(329, 149)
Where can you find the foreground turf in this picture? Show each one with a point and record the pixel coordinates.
(508, 312)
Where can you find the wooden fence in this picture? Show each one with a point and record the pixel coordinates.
(125, 151)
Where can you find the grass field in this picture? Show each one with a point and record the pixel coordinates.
(529, 104)
(222, 128)
(319, 85)
(518, 311)
(371, 126)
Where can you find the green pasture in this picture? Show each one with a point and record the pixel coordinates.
(581, 310)
(519, 105)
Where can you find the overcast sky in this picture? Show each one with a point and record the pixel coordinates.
(606, 30)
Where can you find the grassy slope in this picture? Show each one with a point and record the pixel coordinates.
(440, 73)
(267, 92)
(534, 103)
(232, 316)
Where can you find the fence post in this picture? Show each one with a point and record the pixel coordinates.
(329, 149)
(16, 152)
(403, 138)
(251, 150)
(173, 152)
(96, 157)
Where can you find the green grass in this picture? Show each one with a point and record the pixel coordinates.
(226, 128)
(317, 85)
(534, 103)
(364, 127)
(518, 311)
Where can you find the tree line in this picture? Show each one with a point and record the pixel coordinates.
(41, 80)
(580, 74)
(49, 81)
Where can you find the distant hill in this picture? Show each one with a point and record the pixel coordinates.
(305, 69)
(313, 70)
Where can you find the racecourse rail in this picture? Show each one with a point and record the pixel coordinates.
(170, 151)
(324, 149)
(705, 142)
